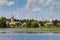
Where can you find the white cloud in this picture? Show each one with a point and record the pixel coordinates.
(45, 2)
(48, 2)
(5, 2)
(2, 2)
(10, 3)
(29, 2)
(28, 6)
(55, 5)
(37, 9)
(32, 6)
(41, 1)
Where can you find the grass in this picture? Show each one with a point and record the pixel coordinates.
(34, 30)
(37, 30)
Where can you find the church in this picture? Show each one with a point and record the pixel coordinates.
(10, 23)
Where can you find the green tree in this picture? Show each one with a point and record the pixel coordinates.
(56, 23)
(34, 24)
(42, 23)
(28, 24)
(3, 22)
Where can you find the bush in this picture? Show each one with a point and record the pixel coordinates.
(34, 24)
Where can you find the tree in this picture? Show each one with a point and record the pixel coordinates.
(28, 24)
(3, 22)
(42, 23)
(34, 24)
(56, 23)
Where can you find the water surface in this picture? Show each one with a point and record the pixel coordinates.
(24, 36)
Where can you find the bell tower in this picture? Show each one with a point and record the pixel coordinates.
(12, 19)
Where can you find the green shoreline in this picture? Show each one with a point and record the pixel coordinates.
(33, 30)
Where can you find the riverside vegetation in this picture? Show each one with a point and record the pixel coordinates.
(32, 25)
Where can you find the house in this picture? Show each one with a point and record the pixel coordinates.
(48, 23)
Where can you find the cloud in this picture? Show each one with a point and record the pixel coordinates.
(48, 2)
(29, 2)
(2, 2)
(45, 2)
(6, 2)
(55, 5)
(10, 3)
(31, 5)
(41, 1)
(37, 9)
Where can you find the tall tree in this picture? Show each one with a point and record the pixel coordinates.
(3, 22)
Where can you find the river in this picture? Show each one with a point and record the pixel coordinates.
(24, 36)
(12, 35)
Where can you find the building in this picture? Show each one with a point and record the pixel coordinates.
(12, 21)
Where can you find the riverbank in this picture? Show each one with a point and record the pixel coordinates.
(30, 30)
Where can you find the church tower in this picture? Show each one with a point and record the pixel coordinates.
(12, 20)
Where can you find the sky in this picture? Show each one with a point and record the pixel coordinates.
(30, 9)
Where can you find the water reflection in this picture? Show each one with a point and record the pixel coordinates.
(12, 35)
(19, 36)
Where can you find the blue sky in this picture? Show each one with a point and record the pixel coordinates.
(30, 9)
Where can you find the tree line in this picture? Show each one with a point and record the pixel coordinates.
(26, 23)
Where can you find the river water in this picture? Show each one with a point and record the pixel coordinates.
(12, 35)
(24, 36)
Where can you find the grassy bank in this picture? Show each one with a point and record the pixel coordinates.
(34, 30)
